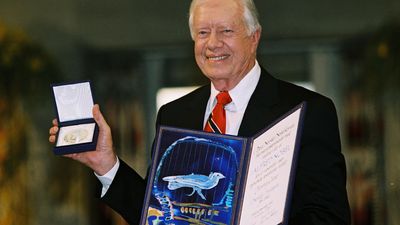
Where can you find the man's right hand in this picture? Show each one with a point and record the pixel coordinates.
(103, 158)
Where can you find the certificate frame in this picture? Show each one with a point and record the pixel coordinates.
(198, 177)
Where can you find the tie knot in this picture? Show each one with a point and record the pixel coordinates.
(223, 98)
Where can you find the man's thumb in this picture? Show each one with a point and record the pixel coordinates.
(98, 117)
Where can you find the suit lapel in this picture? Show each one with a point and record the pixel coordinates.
(259, 113)
(196, 109)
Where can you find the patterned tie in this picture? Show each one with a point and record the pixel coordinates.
(217, 120)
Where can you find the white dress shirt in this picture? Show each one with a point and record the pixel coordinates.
(107, 178)
(240, 96)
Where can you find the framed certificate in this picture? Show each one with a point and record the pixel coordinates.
(206, 178)
(77, 129)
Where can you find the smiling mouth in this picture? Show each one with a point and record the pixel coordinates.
(217, 58)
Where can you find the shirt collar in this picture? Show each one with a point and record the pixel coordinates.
(241, 93)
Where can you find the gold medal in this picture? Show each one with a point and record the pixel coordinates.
(76, 136)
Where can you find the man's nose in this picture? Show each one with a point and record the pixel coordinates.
(214, 41)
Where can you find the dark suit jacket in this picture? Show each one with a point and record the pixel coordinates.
(319, 196)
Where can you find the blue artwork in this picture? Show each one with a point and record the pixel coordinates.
(194, 178)
(197, 182)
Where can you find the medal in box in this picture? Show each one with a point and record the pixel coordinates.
(78, 130)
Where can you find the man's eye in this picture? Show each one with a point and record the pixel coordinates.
(202, 33)
(228, 31)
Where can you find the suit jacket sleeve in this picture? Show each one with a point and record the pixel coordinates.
(126, 193)
(320, 196)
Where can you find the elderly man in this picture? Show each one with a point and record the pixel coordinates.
(226, 34)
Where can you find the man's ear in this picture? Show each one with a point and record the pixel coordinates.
(255, 38)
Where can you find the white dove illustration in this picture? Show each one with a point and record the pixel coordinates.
(197, 182)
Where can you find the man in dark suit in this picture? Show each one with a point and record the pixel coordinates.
(226, 35)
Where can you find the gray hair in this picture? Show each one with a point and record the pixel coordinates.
(250, 16)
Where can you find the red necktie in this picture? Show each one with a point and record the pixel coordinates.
(217, 120)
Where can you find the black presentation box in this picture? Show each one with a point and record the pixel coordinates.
(78, 130)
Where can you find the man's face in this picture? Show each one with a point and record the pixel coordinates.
(223, 49)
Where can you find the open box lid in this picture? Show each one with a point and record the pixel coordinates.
(73, 101)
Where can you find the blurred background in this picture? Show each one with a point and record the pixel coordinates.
(134, 51)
